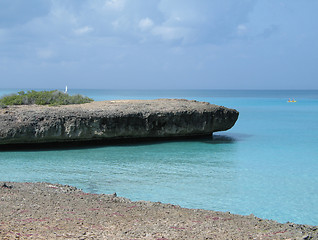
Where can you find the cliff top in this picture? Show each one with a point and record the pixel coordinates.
(120, 107)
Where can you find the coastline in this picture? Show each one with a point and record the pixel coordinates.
(51, 211)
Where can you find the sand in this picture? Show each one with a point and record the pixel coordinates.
(53, 211)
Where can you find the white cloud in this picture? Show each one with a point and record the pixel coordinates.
(170, 33)
(190, 22)
(45, 53)
(206, 20)
(145, 24)
(115, 4)
(116, 24)
(83, 30)
(130, 22)
(122, 25)
(60, 13)
(241, 29)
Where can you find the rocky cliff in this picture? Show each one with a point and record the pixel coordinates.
(120, 119)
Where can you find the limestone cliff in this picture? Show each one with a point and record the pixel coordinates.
(113, 120)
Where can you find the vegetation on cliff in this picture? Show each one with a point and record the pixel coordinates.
(52, 98)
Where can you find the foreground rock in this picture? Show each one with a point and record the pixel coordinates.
(50, 211)
(113, 120)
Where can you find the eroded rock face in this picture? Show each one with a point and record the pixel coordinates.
(113, 120)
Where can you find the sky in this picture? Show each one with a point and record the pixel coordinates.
(159, 44)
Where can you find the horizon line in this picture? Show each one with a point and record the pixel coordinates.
(159, 89)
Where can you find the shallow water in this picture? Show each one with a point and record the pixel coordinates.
(266, 164)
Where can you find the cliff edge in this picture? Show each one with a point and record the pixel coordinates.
(120, 119)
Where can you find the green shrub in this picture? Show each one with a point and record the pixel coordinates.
(53, 98)
(2, 105)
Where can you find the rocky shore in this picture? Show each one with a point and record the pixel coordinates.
(107, 120)
(53, 211)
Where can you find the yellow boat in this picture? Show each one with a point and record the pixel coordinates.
(291, 100)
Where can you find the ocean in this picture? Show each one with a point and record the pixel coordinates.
(266, 165)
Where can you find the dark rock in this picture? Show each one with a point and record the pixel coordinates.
(122, 119)
(6, 186)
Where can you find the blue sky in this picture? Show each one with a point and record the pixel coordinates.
(159, 44)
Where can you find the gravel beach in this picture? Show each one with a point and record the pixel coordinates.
(53, 211)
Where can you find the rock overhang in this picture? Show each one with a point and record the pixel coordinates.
(118, 119)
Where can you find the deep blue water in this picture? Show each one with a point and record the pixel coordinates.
(267, 164)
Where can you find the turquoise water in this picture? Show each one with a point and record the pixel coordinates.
(266, 164)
